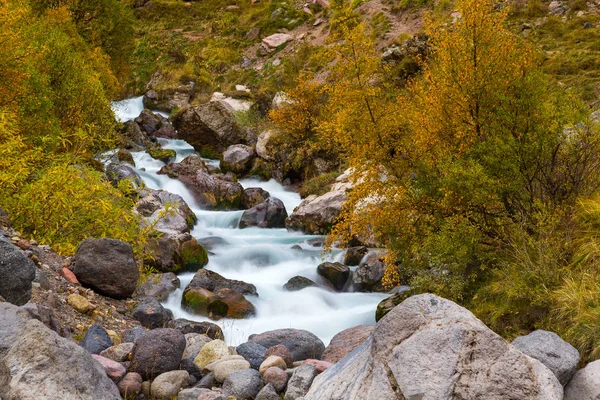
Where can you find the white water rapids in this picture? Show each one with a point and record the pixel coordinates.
(263, 257)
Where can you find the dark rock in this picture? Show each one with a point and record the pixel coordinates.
(268, 393)
(253, 197)
(210, 280)
(207, 381)
(190, 366)
(159, 351)
(4, 219)
(281, 351)
(205, 328)
(336, 273)
(107, 266)
(150, 313)
(367, 277)
(133, 334)
(298, 283)
(159, 286)
(345, 342)
(164, 155)
(16, 273)
(238, 306)
(302, 344)
(133, 137)
(149, 122)
(130, 385)
(354, 255)
(118, 171)
(254, 353)
(96, 340)
(244, 384)
(269, 214)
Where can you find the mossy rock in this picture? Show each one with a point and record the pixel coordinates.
(386, 305)
(218, 309)
(164, 155)
(125, 156)
(197, 300)
(193, 256)
(261, 169)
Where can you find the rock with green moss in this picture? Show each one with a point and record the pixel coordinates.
(386, 305)
(164, 155)
(193, 255)
(125, 156)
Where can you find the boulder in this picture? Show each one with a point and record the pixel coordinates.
(269, 214)
(431, 348)
(585, 384)
(167, 385)
(210, 280)
(354, 255)
(148, 122)
(237, 159)
(268, 393)
(298, 283)
(204, 302)
(237, 305)
(130, 385)
(302, 344)
(239, 103)
(159, 286)
(281, 351)
(185, 326)
(367, 277)
(345, 342)
(253, 197)
(114, 370)
(151, 314)
(210, 128)
(211, 191)
(16, 273)
(194, 343)
(300, 382)
(119, 353)
(272, 362)
(40, 364)
(276, 377)
(158, 153)
(96, 340)
(253, 353)
(388, 304)
(335, 273)
(133, 334)
(152, 206)
(315, 215)
(176, 253)
(170, 98)
(244, 384)
(210, 352)
(118, 171)
(133, 138)
(159, 351)
(107, 266)
(548, 348)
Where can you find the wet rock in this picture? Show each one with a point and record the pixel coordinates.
(150, 313)
(204, 302)
(244, 384)
(271, 362)
(167, 385)
(253, 353)
(210, 352)
(315, 215)
(96, 340)
(16, 273)
(130, 385)
(367, 277)
(133, 138)
(585, 384)
(212, 191)
(253, 197)
(39, 364)
(281, 351)
(107, 266)
(159, 286)
(345, 342)
(354, 255)
(336, 273)
(159, 351)
(276, 377)
(548, 348)
(114, 370)
(237, 159)
(298, 283)
(268, 393)
(214, 282)
(302, 344)
(185, 326)
(300, 382)
(148, 122)
(429, 347)
(210, 128)
(158, 153)
(237, 305)
(269, 214)
(119, 352)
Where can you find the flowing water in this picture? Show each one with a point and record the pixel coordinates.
(263, 257)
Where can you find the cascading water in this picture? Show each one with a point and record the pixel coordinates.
(263, 257)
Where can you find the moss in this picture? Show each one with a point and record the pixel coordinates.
(318, 185)
(193, 256)
(125, 156)
(164, 155)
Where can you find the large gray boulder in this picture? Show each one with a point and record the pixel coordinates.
(335, 273)
(16, 273)
(270, 213)
(429, 348)
(345, 342)
(107, 266)
(211, 191)
(585, 384)
(210, 128)
(237, 159)
(302, 344)
(167, 98)
(40, 364)
(315, 215)
(548, 348)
